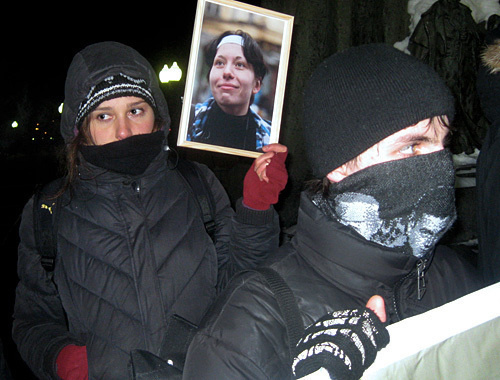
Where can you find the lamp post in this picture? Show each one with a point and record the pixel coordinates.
(174, 73)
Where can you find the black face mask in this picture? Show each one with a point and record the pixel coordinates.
(407, 204)
(130, 156)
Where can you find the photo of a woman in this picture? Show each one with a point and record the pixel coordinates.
(237, 69)
(236, 78)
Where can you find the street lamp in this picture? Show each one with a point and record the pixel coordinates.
(171, 74)
(175, 72)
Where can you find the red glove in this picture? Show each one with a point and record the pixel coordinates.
(72, 363)
(266, 178)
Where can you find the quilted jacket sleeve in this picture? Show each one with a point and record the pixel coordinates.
(245, 239)
(39, 327)
(243, 338)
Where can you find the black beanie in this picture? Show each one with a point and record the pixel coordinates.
(358, 97)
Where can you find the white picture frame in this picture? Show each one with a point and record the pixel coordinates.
(273, 32)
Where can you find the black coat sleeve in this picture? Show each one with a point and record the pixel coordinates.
(243, 338)
(39, 326)
(245, 238)
(488, 205)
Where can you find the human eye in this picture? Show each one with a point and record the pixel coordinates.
(218, 62)
(136, 111)
(102, 116)
(409, 150)
(240, 65)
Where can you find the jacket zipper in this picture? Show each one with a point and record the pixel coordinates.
(421, 289)
(421, 286)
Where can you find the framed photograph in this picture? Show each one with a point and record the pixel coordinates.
(236, 78)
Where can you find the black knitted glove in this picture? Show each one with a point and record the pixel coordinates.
(345, 343)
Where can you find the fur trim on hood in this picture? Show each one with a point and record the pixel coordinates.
(488, 77)
(490, 57)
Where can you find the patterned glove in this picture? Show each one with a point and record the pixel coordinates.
(260, 195)
(72, 363)
(344, 343)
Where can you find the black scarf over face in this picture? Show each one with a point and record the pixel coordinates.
(129, 156)
(405, 204)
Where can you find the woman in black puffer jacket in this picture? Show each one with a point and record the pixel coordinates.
(132, 249)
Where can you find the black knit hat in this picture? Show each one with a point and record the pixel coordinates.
(358, 97)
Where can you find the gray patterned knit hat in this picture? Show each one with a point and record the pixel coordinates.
(114, 86)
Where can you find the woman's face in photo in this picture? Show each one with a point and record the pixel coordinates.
(232, 80)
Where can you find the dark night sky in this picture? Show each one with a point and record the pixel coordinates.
(37, 48)
(39, 43)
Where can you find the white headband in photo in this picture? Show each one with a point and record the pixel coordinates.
(232, 39)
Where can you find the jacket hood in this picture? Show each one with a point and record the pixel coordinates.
(95, 63)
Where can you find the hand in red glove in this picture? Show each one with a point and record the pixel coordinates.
(266, 178)
(72, 363)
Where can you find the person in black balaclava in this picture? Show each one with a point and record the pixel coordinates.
(134, 260)
(375, 126)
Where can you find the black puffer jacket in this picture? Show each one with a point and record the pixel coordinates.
(488, 162)
(329, 267)
(132, 251)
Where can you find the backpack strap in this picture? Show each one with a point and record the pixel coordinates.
(45, 222)
(180, 331)
(178, 336)
(201, 190)
(288, 307)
